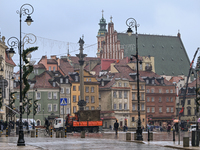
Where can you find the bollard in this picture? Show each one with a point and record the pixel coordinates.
(173, 135)
(36, 133)
(7, 132)
(82, 134)
(128, 136)
(65, 132)
(51, 132)
(148, 135)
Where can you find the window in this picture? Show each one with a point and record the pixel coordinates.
(133, 106)
(74, 109)
(120, 94)
(78, 88)
(133, 119)
(54, 95)
(120, 106)
(160, 99)
(147, 81)
(152, 90)
(152, 99)
(171, 99)
(61, 80)
(62, 90)
(54, 84)
(171, 91)
(142, 107)
(92, 89)
(79, 98)
(147, 90)
(125, 84)
(68, 111)
(115, 94)
(167, 99)
(125, 106)
(99, 95)
(189, 111)
(167, 109)
(38, 95)
(76, 78)
(74, 88)
(39, 108)
(119, 84)
(188, 102)
(114, 106)
(66, 80)
(142, 87)
(160, 109)
(67, 90)
(49, 95)
(87, 89)
(167, 91)
(172, 109)
(148, 99)
(87, 79)
(148, 109)
(90, 79)
(160, 90)
(92, 107)
(74, 98)
(133, 86)
(153, 81)
(49, 68)
(152, 109)
(133, 96)
(125, 94)
(49, 107)
(54, 69)
(102, 83)
(54, 107)
(92, 99)
(87, 99)
(142, 96)
(87, 108)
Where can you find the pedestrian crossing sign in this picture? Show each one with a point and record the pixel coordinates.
(63, 101)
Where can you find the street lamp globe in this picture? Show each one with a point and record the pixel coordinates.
(129, 31)
(28, 20)
(11, 52)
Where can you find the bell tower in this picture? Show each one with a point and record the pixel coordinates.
(101, 35)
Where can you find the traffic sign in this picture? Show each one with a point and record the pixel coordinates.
(63, 101)
(4, 83)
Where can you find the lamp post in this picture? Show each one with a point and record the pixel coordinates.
(33, 109)
(25, 9)
(131, 23)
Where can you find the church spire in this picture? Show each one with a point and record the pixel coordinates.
(102, 25)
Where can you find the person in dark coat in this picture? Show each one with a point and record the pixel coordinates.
(116, 126)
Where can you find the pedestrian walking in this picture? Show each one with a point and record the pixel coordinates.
(116, 126)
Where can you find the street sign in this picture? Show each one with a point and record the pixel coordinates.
(63, 101)
(4, 83)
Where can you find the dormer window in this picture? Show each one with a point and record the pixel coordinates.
(162, 81)
(54, 84)
(120, 84)
(67, 80)
(76, 78)
(61, 80)
(54, 69)
(102, 83)
(153, 81)
(147, 81)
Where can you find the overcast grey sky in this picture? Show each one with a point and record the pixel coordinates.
(58, 22)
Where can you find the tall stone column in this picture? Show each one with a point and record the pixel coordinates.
(81, 56)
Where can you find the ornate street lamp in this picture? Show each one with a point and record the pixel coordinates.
(25, 9)
(131, 23)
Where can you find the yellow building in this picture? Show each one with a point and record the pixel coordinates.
(91, 91)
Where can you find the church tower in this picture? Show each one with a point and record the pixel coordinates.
(101, 35)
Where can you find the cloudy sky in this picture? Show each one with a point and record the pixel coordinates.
(59, 24)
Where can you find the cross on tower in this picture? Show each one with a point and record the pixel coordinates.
(102, 13)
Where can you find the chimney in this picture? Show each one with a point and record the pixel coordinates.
(179, 35)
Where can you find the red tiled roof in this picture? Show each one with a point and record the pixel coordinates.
(39, 66)
(175, 79)
(42, 81)
(105, 63)
(51, 61)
